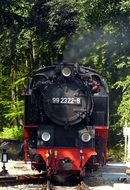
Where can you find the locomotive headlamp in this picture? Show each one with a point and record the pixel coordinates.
(46, 136)
(85, 137)
(66, 71)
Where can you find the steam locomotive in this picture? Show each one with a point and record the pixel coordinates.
(66, 119)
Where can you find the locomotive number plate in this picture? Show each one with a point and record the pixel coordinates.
(66, 100)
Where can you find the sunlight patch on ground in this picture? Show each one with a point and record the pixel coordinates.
(104, 187)
(120, 186)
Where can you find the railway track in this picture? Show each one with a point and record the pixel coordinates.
(34, 182)
(105, 178)
(22, 179)
(22, 182)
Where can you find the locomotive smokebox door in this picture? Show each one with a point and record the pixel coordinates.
(66, 102)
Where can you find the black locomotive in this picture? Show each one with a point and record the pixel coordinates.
(66, 119)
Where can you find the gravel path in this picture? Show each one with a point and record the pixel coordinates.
(110, 177)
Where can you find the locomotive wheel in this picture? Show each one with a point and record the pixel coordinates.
(38, 163)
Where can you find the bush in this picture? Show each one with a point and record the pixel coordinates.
(116, 154)
(15, 133)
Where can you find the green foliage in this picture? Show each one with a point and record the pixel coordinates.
(125, 5)
(15, 112)
(116, 135)
(14, 133)
(116, 154)
(124, 107)
(116, 143)
(31, 34)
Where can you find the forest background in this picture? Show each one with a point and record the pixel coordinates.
(34, 33)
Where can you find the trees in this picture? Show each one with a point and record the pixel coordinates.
(12, 60)
(38, 32)
(33, 33)
(124, 109)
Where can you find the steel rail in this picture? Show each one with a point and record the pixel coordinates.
(22, 178)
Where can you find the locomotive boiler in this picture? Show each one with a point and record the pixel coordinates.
(66, 119)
